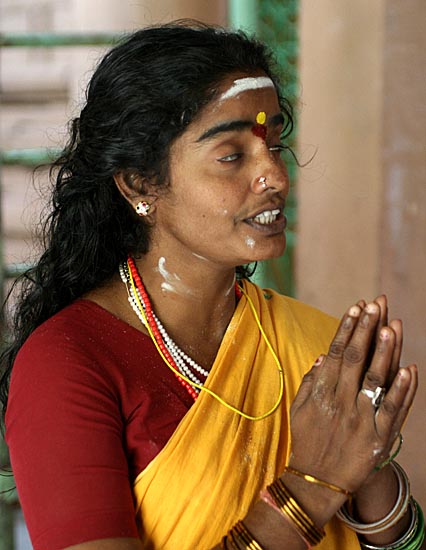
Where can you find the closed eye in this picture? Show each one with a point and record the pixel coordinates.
(278, 147)
(230, 158)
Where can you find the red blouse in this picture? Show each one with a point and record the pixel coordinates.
(91, 404)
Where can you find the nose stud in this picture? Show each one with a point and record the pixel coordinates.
(262, 181)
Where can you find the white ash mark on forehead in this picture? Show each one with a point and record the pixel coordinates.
(245, 84)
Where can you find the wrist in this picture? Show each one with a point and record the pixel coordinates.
(319, 502)
(376, 496)
(382, 515)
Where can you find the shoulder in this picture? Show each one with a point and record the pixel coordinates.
(82, 331)
(295, 317)
(299, 332)
(79, 350)
(79, 321)
(305, 316)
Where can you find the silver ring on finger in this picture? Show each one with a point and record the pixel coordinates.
(376, 395)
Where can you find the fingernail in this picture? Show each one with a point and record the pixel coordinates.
(354, 311)
(385, 334)
(371, 307)
(318, 361)
(401, 375)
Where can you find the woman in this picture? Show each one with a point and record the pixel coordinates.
(149, 402)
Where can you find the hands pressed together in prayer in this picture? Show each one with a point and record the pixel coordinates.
(345, 424)
(338, 430)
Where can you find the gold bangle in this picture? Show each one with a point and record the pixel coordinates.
(240, 534)
(230, 543)
(312, 479)
(285, 501)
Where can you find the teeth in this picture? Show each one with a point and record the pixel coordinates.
(268, 216)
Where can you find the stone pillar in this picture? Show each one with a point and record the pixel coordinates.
(362, 199)
(402, 244)
(339, 191)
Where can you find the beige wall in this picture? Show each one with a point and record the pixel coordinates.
(362, 200)
(122, 16)
(119, 15)
(340, 121)
(403, 222)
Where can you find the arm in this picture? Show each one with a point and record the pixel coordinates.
(64, 429)
(379, 492)
(338, 440)
(338, 436)
(316, 398)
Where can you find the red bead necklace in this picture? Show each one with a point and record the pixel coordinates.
(154, 328)
(153, 325)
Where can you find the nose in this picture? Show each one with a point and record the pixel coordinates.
(270, 177)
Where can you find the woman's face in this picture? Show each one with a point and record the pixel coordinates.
(218, 206)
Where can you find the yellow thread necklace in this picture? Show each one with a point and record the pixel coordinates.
(136, 289)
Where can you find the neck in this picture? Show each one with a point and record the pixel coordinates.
(194, 302)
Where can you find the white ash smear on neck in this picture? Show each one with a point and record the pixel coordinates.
(199, 257)
(172, 281)
(231, 288)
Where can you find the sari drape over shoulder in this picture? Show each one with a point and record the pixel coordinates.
(216, 463)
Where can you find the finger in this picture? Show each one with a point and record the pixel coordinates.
(356, 352)
(382, 302)
(308, 381)
(400, 396)
(396, 326)
(377, 374)
(330, 370)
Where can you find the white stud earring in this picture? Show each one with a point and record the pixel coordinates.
(142, 208)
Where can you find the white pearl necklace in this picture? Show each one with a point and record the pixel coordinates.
(186, 365)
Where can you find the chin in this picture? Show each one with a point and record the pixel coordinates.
(267, 254)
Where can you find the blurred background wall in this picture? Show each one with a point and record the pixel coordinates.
(361, 201)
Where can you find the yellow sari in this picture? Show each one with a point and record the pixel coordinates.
(215, 464)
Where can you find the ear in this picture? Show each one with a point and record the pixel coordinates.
(134, 188)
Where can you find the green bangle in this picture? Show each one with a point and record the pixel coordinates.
(417, 542)
(391, 457)
(412, 540)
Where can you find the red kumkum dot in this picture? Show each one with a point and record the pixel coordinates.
(259, 130)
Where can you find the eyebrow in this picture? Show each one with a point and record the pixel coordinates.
(237, 125)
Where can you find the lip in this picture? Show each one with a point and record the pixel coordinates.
(273, 228)
(267, 207)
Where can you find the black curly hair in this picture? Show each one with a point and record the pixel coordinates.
(143, 94)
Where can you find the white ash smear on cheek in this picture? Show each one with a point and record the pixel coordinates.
(250, 242)
(172, 281)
